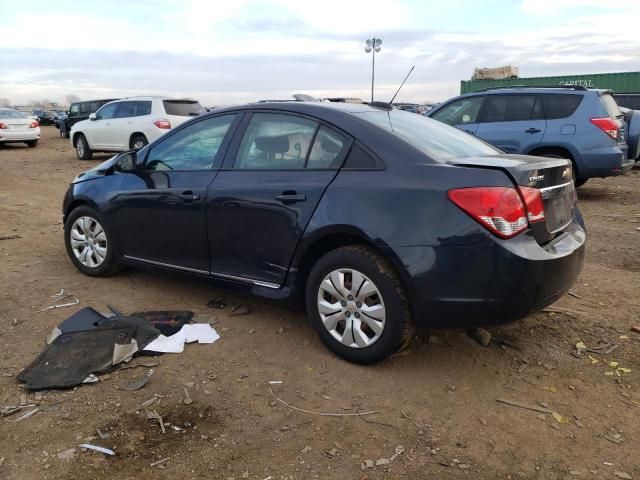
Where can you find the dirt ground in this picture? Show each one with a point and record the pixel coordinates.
(437, 399)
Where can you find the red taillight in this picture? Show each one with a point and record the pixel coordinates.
(533, 203)
(34, 125)
(502, 210)
(162, 123)
(608, 125)
(2, 126)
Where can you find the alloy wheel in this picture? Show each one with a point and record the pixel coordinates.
(80, 147)
(351, 308)
(88, 242)
(138, 144)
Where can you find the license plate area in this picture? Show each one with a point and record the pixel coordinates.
(558, 212)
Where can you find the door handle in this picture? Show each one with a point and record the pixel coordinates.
(189, 196)
(532, 130)
(290, 197)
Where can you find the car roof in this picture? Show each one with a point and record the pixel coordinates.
(155, 97)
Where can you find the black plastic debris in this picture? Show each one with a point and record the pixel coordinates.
(218, 302)
(73, 356)
(168, 322)
(84, 319)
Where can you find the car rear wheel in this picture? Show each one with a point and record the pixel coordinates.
(82, 148)
(138, 142)
(357, 304)
(577, 181)
(32, 143)
(88, 243)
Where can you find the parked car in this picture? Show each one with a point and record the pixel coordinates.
(130, 123)
(380, 219)
(18, 127)
(580, 124)
(44, 117)
(79, 111)
(632, 117)
(628, 100)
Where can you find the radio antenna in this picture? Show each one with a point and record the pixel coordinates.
(405, 79)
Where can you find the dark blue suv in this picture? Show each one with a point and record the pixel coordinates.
(583, 125)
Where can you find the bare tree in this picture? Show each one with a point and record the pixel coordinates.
(72, 98)
(4, 102)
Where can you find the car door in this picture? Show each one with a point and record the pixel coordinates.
(159, 214)
(99, 131)
(462, 113)
(514, 123)
(121, 126)
(259, 205)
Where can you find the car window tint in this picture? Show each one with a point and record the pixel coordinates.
(194, 147)
(142, 108)
(509, 108)
(107, 112)
(184, 108)
(360, 160)
(460, 111)
(125, 109)
(328, 149)
(438, 141)
(84, 109)
(94, 106)
(74, 109)
(559, 105)
(275, 141)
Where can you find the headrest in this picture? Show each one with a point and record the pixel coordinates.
(273, 144)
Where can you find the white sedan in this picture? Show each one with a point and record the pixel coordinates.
(16, 127)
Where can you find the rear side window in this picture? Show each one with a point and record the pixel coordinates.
(276, 141)
(183, 108)
(328, 150)
(560, 105)
(510, 108)
(84, 108)
(610, 105)
(358, 159)
(142, 108)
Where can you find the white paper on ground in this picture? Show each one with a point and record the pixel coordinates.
(200, 332)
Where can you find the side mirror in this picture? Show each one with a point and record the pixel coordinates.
(92, 116)
(125, 162)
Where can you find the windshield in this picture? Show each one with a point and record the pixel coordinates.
(437, 140)
(11, 114)
(182, 108)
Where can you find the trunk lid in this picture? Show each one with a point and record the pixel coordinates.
(551, 176)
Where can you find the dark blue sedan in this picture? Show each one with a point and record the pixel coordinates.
(380, 219)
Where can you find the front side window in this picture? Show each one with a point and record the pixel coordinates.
(195, 147)
(510, 108)
(460, 111)
(107, 112)
(74, 109)
(276, 141)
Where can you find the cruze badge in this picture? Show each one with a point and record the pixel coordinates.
(539, 178)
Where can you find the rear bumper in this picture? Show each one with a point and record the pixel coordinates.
(493, 282)
(603, 162)
(19, 135)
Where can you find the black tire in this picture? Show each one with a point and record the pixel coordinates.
(398, 328)
(32, 143)
(108, 265)
(82, 148)
(577, 180)
(139, 139)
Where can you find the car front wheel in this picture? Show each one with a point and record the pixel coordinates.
(357, 304)
(82, 148)
(88, 243)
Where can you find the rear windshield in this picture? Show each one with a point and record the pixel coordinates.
(11, 114)
(437, 140)
(183, 108)
(610, 105)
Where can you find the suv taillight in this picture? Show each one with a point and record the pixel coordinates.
(504, 211)
(162, 123)
(34, 124)
(608, 125)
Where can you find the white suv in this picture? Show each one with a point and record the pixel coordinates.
(130, 124)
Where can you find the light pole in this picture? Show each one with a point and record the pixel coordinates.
(373, 46)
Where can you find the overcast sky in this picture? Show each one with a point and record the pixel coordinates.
(225, 52)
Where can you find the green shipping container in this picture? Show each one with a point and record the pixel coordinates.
(623, 82)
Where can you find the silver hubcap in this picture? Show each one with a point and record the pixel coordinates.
(88, 242)
(138, 144)
(351, 308)
(80, 147)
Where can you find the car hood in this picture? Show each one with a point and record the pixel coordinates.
(80, 125)
(96, 172)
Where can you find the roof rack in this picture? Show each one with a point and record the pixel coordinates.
(570, 87)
